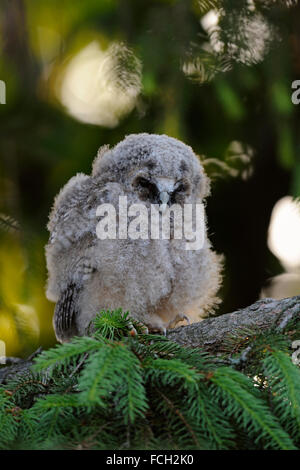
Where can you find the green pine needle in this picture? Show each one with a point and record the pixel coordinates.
(113, 390)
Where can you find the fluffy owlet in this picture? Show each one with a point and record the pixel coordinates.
(159, 281)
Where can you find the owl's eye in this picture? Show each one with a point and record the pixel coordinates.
(181, 190)
(141, 182)
(146, 188)
(144, 183)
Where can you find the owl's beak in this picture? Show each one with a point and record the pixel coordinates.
(164, 198)
(165, 188)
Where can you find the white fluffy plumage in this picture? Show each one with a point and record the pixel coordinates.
(157, 281)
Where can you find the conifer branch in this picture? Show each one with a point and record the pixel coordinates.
(213, 334)
(187, 398)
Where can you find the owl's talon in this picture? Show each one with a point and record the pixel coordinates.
(179, 317)
(187, 318)
(160, 330)
(144, 328)
(132, 332)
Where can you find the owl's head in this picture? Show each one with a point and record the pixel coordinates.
(158, 168)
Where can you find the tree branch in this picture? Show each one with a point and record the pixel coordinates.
(212, 333)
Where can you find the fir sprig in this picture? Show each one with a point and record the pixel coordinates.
(113, 390)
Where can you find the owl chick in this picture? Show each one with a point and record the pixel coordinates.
(158, 281)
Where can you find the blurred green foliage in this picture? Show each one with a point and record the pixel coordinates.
(208, 85)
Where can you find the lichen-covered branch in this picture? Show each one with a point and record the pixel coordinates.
(212, 333)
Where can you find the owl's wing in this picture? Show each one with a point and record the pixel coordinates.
(73, 213)
(72, 225)
(70, 222)
(65, 313)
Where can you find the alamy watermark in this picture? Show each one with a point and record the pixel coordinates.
(160, 222)
(2, 92)
(296, 354)
(2, 352)
(296, 94)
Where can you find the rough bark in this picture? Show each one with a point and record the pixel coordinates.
(211, 334)
(15, 365)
